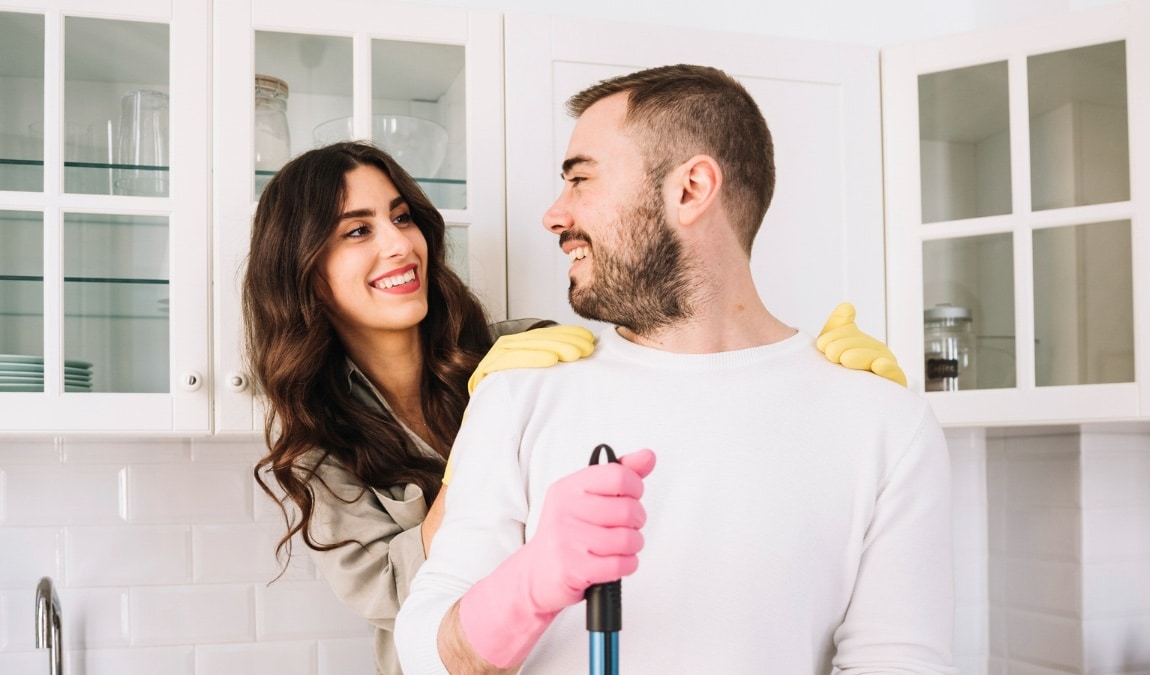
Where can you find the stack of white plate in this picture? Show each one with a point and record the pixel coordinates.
(20, 372)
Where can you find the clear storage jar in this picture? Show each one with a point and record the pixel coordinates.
(948, 348)
(272, 137)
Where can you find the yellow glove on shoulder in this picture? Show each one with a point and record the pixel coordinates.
(536, 348)
(842, 342)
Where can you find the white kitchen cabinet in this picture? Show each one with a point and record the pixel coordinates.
(350, 66)
(103, 262)
(1017, 189)
(821, 241)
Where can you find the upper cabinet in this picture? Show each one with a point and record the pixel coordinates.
(424, 83)
(821, 241)
(1017, 199)
(104, 166)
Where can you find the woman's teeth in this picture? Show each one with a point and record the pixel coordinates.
(578, 253)
(389, 282)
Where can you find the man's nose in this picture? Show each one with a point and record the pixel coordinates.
(557, 219)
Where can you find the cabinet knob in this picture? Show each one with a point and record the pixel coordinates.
(191, 380)
(237, 382)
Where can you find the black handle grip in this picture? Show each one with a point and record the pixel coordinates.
(604, 601)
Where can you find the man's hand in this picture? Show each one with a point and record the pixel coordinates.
(842, 342)
(588, 534)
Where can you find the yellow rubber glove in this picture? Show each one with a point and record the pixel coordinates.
(536, 348)
(842, 342)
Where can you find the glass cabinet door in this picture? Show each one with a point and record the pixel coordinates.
(94, 195)
(1022, 220)
(424, 83)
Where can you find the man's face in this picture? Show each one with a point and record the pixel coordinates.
(627, 264)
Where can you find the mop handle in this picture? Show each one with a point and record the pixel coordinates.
(604, 608)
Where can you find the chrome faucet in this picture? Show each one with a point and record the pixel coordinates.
(48, 624)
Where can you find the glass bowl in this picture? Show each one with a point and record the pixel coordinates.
(419, 145)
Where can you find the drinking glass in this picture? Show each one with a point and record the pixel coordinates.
(143, 144)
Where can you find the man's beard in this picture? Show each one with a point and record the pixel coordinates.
(643, 283)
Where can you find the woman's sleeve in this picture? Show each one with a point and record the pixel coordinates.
(371, 577)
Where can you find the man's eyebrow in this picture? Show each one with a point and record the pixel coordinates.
(369, 213)
(572, 162)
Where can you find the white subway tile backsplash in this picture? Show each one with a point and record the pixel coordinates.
(347, 657)
(25, 663)
(230, 450)
(1118, 645)
(28, 553)
(38, 451)
(1115, 476)
(1044, 640)
(60, 494)
(1043, 481)
(138, 555)
(1117, 588)
(1046, 533)
(280, 619)
(971, 580)
(1119, 533)
(181, 615)
(229, 553)
(189, 493)
(127, 450)
(136, 661)
(94, 618)
(17, 620)
(1050, 587)
(281, 658)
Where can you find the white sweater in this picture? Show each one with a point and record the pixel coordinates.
(798, 516)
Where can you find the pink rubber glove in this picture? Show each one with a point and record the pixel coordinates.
(588, 534)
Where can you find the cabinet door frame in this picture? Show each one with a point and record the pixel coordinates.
(479, 32)
(186, 407)
(851, 268)
(905, 234)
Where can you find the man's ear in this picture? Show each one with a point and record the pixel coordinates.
(695, 186)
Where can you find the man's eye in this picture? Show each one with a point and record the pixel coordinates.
(575, 180)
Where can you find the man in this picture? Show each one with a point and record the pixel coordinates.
(799, 516)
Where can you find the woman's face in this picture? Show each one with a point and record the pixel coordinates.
(374, 265)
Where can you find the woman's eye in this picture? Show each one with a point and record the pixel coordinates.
(357, 232)
(402, 220)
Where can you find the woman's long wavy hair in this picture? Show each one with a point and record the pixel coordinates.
(299, 363)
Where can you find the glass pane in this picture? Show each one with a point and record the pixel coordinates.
(1083, 304)
(21, 101)
(419, 114)
(116, 301)
(457, 251)
(968, 295)
(302, 81)
(964, 143)
(115, 135)
(21, 301)
(1079, 145)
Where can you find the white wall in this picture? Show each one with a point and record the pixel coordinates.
(878, 22)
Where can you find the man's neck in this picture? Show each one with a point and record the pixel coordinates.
(720, 327)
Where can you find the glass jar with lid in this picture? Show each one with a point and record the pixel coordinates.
(948, 348)
(272, 139)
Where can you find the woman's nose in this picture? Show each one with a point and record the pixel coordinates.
(393, 243)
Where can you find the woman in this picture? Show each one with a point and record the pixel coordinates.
(362, 341)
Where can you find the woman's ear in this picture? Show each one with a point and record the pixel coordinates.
(695, 186)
